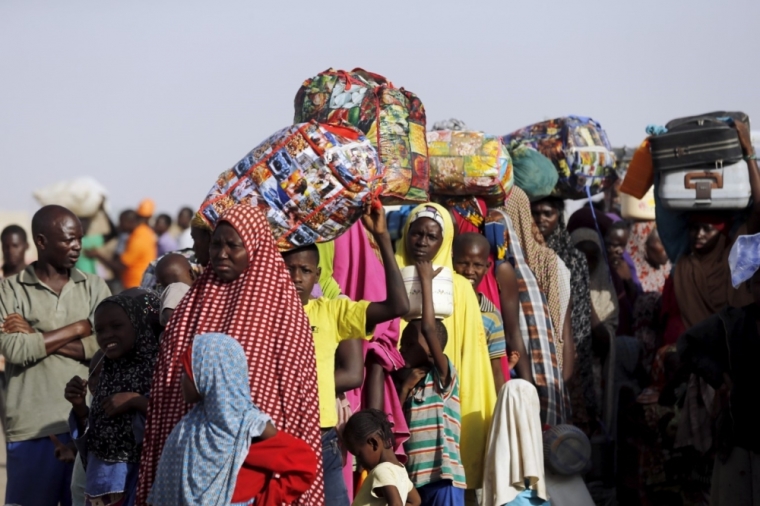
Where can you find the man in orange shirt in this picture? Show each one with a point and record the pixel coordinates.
(141, 248)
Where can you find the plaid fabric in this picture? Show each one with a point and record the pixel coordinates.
(538, 334)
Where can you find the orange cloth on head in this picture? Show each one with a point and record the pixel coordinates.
(146, 208)
(640, 174)
(141, 250)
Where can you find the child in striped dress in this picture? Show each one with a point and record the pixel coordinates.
(429, 391)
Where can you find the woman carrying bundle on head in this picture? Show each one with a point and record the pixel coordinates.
(246, 293)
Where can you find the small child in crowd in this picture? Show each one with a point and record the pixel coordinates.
(109, 434)
(225, 450)
(175, 273)
(14, 247)
(429, 390)
(368, 436)
(65, 452)
(470, 255)
(335, 320)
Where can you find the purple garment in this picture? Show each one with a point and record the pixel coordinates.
(166, 244)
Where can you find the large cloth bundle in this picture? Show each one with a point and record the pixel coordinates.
(311, 180)
(534, 173)
(469, 163)
(393, 119)
(82, 196)
(578, 147)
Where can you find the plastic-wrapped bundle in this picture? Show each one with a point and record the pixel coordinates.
(744, 259)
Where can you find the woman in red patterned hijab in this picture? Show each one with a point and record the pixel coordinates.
(247, 294)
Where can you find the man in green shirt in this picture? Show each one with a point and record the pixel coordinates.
(46, 337)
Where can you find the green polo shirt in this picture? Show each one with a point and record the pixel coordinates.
(35, 406)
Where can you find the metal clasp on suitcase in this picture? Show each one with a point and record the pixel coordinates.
(681, 151)
(703, 182)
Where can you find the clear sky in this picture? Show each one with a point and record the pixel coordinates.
(155, 98)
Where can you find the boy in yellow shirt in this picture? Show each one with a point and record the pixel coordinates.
(336, 320)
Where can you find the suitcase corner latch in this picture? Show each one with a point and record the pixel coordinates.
(704, 190)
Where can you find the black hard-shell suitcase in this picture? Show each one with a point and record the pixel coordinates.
(698, 141)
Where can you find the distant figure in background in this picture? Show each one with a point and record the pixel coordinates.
(94, 241)
(15, 244)
(184, 218)
(175, 274)
(166, 243)
(140, 250)
(46, 337)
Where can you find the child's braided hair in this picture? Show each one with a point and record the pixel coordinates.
(367, 422)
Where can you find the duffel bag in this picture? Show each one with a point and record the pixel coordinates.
(579, 149)
(469, 163)
(707, 187)
(393, 119)
(698, 141)
(311, 180)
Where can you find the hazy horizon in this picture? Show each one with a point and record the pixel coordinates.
(155, 99)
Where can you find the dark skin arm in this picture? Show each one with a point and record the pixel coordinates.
(409, 379)
(568, 348)
(374, 384)
(426, 274)
(498, 374)
(55, 340)
(510, 313)
(76, 393)
(113, 232)
(349, 365)
(124, 402)
(112, 264)
(753, 224)
(269, 432)
(393, 498)
(396, 302)
(73, 349)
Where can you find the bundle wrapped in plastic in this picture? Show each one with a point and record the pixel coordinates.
(393, 119)
(469, 163)
(310, 179)
(82, 196)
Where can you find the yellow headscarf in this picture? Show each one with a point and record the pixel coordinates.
(467, 350)
(329, 286)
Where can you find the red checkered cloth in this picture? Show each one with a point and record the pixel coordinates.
(260, 309)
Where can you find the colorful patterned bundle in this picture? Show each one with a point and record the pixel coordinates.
(578, 147)
(311, 180)
(469, 163)
(393, 119)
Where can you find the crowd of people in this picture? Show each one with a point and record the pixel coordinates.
(214, 369)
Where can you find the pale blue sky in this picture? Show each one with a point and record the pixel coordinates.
(155, 98)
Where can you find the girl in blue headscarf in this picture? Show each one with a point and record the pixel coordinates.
(225, 450)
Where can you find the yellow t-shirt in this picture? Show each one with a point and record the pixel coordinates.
(333, 321)
(383, 475)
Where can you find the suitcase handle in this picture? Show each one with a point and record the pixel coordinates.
(690, 184)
